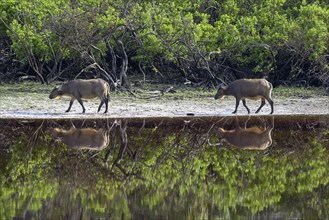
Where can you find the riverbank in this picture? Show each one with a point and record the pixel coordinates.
(30, 100)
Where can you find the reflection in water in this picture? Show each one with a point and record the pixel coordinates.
(121, 127)
(165, 169)
(252, 138)
(82, 138)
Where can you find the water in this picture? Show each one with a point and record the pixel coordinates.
(165, 168)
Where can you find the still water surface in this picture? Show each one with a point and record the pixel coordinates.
(164, 168)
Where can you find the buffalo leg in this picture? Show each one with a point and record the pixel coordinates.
(237, 102)
(83, 108)
(245, 105)
(100, 106)
(106, 105)
(261, 105)
(70, 105)
(271, 103)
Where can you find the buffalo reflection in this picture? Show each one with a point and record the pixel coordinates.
(253, 138)
(82, 138)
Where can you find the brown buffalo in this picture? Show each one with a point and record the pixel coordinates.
(84, 89)
(243, 89)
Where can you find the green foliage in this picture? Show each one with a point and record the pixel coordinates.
(166, 35)
(313, 24)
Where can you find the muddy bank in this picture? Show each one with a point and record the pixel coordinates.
(31, 101)
(204, 123)
(42, 107)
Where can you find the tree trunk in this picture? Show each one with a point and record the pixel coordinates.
(124, 67)
(112, 60)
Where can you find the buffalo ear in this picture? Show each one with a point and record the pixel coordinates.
(55, 88)
(60, 91)
(222, 86)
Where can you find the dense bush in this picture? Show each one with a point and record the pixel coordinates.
(205, 42)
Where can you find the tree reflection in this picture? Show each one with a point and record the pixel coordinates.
(161, 168)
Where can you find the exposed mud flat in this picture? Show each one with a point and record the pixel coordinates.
(20, 106)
